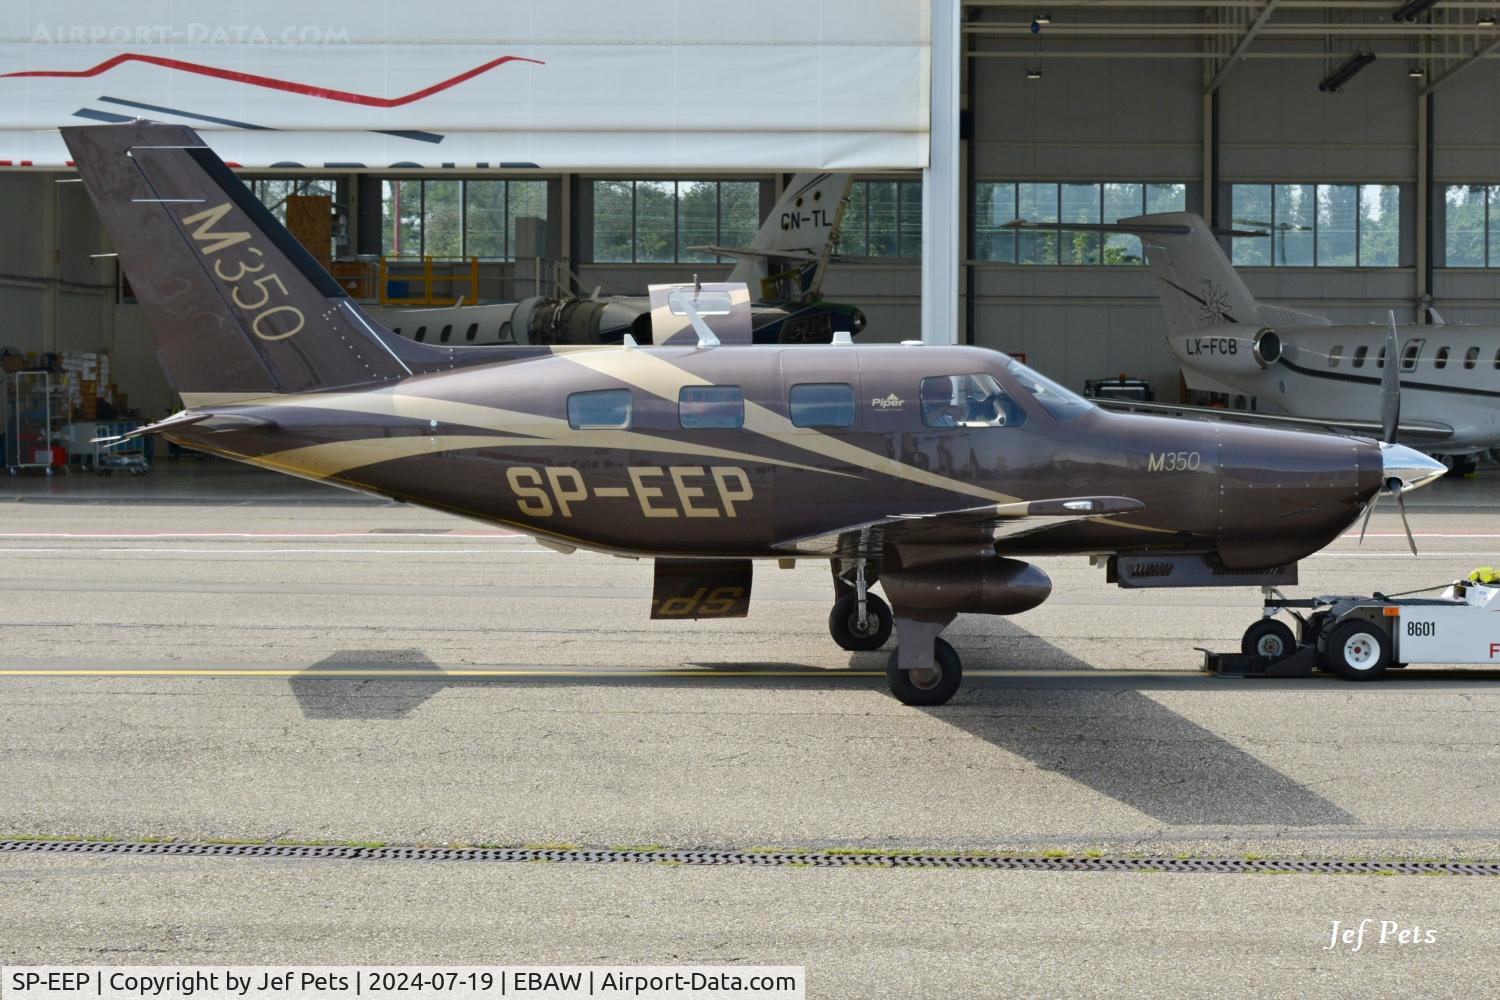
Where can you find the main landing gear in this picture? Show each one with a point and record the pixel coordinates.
(861, 622)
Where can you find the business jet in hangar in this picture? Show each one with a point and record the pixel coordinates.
(1307, 369)
(785, 264)
(931, 470)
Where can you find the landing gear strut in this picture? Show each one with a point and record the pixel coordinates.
(860, 621)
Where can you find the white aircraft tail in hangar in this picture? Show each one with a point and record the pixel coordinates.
(1303, 368)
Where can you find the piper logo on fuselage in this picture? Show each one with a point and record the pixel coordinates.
(661, 491)
(891, 402)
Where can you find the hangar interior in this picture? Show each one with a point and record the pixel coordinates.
(1376, 196)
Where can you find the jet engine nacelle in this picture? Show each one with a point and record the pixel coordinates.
(541, 320)
(984, 585)
(1228, 350)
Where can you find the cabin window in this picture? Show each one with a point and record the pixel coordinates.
(1412, 352)
(1380, 359)
(1359, 356)
(821, 404)
(1063, 404)
(473, 332)
(700, 406)
(607, 408)
(1471, 357)
(1335, 356)
(1441, 361)
(447, 332)
(967, 401)
(421, 333)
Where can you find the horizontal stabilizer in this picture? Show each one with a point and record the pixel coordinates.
(203, 421)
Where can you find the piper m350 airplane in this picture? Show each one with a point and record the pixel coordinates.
(929, 469)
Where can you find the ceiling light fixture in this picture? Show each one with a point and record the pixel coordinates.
(1334, 82)
(1486, 21)
(1034, 74)
(1416, 72)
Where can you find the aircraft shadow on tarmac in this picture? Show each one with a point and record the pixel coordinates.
(1110, 737)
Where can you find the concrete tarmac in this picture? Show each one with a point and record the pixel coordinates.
(273, 664)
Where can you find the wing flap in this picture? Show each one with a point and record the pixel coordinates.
(984, 525)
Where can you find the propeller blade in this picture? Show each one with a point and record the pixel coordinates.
(1369, 510)
(1401, 506)
(1390, 384)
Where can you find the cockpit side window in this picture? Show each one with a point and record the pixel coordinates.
(1064, 404)
(967, 401)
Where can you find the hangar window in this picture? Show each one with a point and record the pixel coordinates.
(1000, 204)
(1471, 358)
(702, 406)
(1413, 350)
(457, 218)
(1441, 361)
(821, 404)
(1359, 355)
(1335, 356)
(967, 401)
(660, 221)
(606, 408)
(883, 218)
(1317, 225)
(275, 193)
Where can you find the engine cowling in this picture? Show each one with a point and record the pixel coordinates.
(990, 585)
(540, 320)
(1229, 350)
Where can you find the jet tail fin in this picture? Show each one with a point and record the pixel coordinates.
(1194, 279)
(802, 224)
(238, 307)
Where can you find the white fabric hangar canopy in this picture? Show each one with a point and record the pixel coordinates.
(559, 84)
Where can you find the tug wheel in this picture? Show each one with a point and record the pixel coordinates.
(1358, 650)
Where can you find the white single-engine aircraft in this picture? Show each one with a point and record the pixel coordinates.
(1300, 367)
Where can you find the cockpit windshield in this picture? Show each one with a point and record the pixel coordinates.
(1064, 404)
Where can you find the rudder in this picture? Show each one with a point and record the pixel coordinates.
(237, 306)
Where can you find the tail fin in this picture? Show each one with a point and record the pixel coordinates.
(801, 226)
(238, 307)
(1197, 285)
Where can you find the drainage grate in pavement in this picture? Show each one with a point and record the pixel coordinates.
(815, 859)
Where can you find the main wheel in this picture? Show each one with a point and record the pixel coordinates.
(1358, 650)
(1268, 639)
(931, 686)
(843, 623)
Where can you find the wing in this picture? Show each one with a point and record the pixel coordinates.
(1416, 430)
(966, 526)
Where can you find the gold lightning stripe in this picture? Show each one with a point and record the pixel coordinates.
(660, 377)
(335, 457)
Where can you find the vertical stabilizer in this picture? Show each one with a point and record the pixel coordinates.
(1197, 285)
(801, 227)
(237, 306)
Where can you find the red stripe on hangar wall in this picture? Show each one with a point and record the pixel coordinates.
(272, 83)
